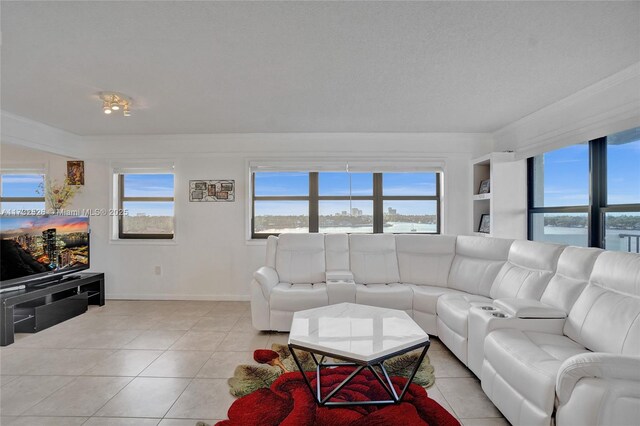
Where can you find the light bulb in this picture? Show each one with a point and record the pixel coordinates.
(115, 106)
(126, 113)
(107, 110)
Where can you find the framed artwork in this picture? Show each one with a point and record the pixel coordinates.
(485, 224)
(75, 172)
(485, 186)
(212, 190)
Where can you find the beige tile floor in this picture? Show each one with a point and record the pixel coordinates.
(165, 363)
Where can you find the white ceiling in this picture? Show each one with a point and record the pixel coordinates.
(221, 67)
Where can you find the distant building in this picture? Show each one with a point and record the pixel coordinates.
(64, 258)
(344, 212)
(392, 211)
(49, 244)
(356, 212)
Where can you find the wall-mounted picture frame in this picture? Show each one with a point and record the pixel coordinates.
(485, 224)
(485, 186)
(212, 190)
(75, 172)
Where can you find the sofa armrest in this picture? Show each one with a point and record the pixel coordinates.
(528, 308)
(341, 290)
(267, 278)
(339, 276)
(602, 365)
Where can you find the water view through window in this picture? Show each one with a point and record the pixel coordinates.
(341, 202)
(561, 190)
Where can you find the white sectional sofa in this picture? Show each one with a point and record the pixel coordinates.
(553, 332)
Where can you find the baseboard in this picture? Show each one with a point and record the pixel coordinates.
(209, 297)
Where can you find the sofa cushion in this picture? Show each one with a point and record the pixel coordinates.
(425, 297)
(300, 258)
(425, 259)
(336, 252)
(606, 316)
(297, 297)
(393, 296)
(528, 362)
(477, 262)
(373, 259)
(527, 271)
(453, 310)
(574, 268)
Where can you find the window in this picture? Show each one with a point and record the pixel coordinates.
(342, 202)
(146, 205)
(22, 193)
(410, 202)
(559, 196)
(588, 194)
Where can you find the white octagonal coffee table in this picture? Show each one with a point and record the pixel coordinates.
(361, 336)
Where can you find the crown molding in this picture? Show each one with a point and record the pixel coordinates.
(33, 134)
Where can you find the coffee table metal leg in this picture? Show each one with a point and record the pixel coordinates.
(388, 386)
(415, 370)
(304, 374)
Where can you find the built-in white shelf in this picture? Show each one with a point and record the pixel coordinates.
(478, 197)
(506, 201)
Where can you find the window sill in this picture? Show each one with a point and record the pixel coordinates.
(256, 242)
(143, 242)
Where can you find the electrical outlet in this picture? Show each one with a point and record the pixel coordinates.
(158, 270)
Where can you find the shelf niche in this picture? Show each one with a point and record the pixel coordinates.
(506, 201)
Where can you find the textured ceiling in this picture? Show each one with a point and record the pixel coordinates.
(219, 67)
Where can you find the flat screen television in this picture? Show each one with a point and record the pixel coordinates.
(33, 248)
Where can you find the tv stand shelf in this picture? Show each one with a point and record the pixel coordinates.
(42, 305)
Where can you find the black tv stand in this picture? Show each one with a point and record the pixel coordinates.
(42, 305)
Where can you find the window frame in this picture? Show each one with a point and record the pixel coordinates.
(4, 199)
(378, 198)
(598, 205)
(121, 200)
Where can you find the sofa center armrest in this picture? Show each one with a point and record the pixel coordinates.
(334, 276)
(528, 308)
(267, 278)
(341, 290)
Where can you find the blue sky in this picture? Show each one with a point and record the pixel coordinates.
(149, 185)
(566, 175)
(337, 183)
(20, 185)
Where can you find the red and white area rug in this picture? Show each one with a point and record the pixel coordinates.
(276, 394)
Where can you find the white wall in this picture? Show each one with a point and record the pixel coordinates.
(211, 257)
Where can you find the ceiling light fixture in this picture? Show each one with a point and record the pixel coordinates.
(113, 101)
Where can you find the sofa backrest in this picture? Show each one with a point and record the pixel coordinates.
(572, 274)
(272, 246)
(477, 262)
(425, 259)
(300, 258)
(606, 316)
(527, 271)
(373, 259)
(336, 252)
